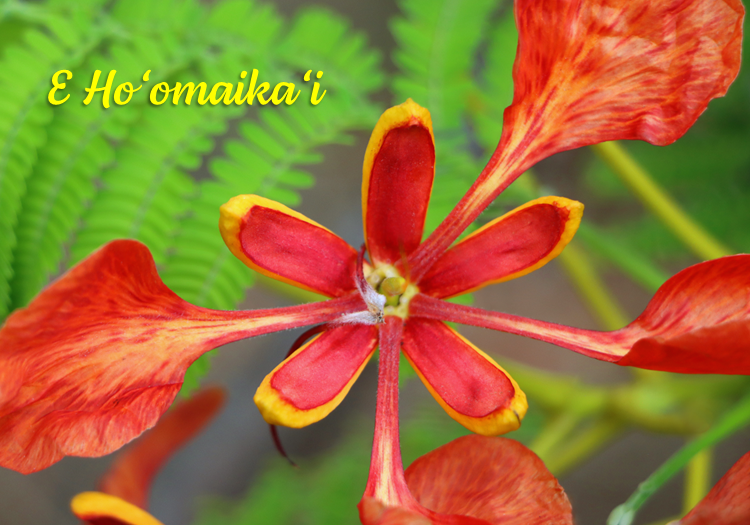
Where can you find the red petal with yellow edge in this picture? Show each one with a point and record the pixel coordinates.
(468, 384)
(93, 507)
(727, 502)
(697, 322)
(131, 474)
(511, 246)
(285, 245)
(497, 480)
(98, 356)
(312, 382)
(397, 180)
(601, 70)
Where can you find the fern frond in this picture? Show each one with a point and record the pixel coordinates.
(77, 148)
(148, 188)
(321, 40)
(25, 72)
(497, 89)
(244, 25)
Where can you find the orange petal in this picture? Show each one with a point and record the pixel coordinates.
(497, 480)
(697, 322)
(130, 476)
(727, 502)
(93, 507)
(397, 181)
(312, 382)
(509, 247)
(98, 356)
(285, 245)
(473, 389)
(600, 70)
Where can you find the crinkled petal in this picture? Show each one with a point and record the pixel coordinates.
(130, 476)
(98, 356)
(285, 245)
(728, 501)
(497, 480)
(697, 322)
(588, 72)
(600, 70)
(473, 389)
(397, 180)
(93, 507)
(312, 382)
(509, 247)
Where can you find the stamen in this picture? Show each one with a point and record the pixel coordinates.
(373, 300)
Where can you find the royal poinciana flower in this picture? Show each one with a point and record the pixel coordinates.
(97, 357)
(123, 495)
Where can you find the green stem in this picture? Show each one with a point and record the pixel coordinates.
(637, 267)
(580, 270)
(555, 432)
(643, 186)
(698, 476)
(584, 445)
(731, 422)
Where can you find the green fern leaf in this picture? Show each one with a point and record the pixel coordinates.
(25, 72)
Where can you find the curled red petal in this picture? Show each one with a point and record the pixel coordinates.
(98, 356)
(314, 380)
(600, 70)
(509, 247)
(285, 245)
(473, 389)
(493, 479)
(131, 474)
(697, 322)
(728, 501)
(397, 180)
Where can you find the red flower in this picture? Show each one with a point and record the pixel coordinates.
(100, 355)
(124, 489)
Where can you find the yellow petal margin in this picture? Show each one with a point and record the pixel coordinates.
(278, 411)
(500, 421)
(575, 209)
(99, 507)
(231, 215)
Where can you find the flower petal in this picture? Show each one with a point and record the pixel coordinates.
(600, 70)
(497, 480)
(312, 382)
(697, 322)
(509, 247)
(130, 476)
(727, 501)
(619, 70)
(468, 384)
(93, 507)
(98, 356)
(397, 180)
(285, 245)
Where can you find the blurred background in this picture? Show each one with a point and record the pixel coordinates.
(73, 177)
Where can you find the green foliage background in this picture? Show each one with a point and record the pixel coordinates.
(73, 177)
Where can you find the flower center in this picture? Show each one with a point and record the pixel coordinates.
(398, 291)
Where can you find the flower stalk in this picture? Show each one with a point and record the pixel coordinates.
(643, 186)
